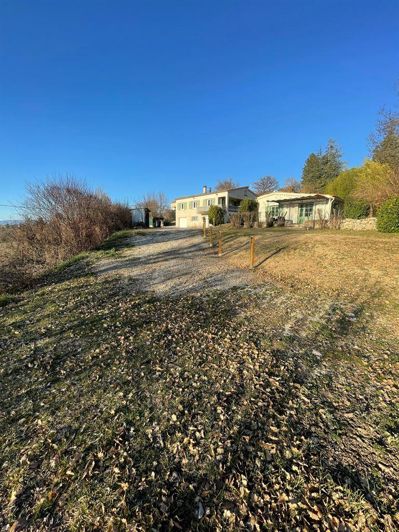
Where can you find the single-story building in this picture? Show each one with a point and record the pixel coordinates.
(192, 211)
(141, 217)
(297, 207)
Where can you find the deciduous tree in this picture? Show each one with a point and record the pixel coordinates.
(344, 184)
(376, 183)
(265, 184)
(291, 185)
(156, 202)
(385, 141)
(226, 184)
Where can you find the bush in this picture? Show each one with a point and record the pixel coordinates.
(280, 222)
(356, 209)
(388, 216)
(216, 215)
(235, 219)
(62, 219)
(269, 219)
(344, 184)
(248, 205)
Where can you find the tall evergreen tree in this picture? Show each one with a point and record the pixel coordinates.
(331, 162)
(321, 168)
(311, 173)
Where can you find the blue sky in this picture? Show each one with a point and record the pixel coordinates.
(135, 97)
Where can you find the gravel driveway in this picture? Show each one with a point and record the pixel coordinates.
(173, 261)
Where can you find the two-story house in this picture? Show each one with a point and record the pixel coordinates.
(192, 211)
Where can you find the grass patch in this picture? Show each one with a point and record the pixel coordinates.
(162, 412)
(118, 239)
(234, 410)
(109, 248)
(72, 261)
(6, 299)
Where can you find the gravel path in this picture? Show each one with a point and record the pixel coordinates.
(173, 261)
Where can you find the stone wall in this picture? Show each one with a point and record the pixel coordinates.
(365, 224)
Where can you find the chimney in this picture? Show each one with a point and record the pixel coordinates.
(204, 189)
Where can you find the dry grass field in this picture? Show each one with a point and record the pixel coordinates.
(362, 267)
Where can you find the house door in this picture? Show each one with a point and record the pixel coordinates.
(183, 222)
(305, 212)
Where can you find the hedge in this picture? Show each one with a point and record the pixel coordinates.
(355, 209)
(388, 216)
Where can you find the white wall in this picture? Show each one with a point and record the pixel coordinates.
(193, 216)
(292, 208)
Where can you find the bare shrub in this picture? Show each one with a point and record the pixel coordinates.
(280, 222)
(335, 220)
(121, 216)
(235, 219)
(248, 218)
(11, 270)
(321, 221)
(269, 219)
(61, 219)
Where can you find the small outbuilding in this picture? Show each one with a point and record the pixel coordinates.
(141, 217)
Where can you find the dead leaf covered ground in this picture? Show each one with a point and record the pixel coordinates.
(241, 407)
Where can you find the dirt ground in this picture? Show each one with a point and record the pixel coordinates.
(173, 261)
(361, 268)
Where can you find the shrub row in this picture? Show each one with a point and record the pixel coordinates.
(61, 219)
(388, 216)
(356, 209)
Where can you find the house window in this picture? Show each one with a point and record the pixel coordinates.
(210, 202)
(306, 210)
(273, 211)
(222, 202)
(194, 218)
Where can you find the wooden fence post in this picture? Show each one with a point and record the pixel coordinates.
(251, 252)
(220, 251)
(210, 237)
(203, 227)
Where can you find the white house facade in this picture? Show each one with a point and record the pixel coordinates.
(192, 211)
